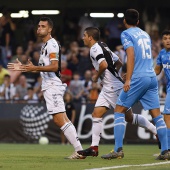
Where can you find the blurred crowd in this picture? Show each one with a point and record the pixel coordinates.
(18, 40)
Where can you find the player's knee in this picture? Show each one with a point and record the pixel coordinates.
(59, 121)
(96, 115)
(128, 118)
(120, 109)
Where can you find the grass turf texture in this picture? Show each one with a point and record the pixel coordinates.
(51, 157)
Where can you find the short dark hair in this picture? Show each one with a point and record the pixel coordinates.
(7, 76)
(131, 16)
(94, 32)
(165, 32)
(50, 22)
(30, 88)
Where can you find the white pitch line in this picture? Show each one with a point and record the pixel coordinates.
(125, 166)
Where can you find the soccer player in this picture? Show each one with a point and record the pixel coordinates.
(107, 65)
(163, 62)
(140, 85)
(52, 87)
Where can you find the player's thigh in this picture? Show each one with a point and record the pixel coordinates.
(54, 101)
(102, 101)
(107, 99)
(112, 97)
(150, 100)
(138, 87)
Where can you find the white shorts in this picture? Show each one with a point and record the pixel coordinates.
(107, 99)
(54, 99)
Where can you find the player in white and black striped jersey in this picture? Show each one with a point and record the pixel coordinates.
(107, 65)
(52, 87)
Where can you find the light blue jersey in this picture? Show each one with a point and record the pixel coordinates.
(164, 60)
(144, 85)
(140, 41)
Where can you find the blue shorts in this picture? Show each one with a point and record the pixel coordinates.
(167, 104)
(143, 89)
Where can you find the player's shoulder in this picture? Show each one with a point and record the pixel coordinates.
(96, 48)
(162, 52)
(53, 42)
(124, 33)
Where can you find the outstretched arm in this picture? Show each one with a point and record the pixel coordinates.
(15, 66)
(53, 67)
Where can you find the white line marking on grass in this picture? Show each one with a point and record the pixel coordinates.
(125, 166)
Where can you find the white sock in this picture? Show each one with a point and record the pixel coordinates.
(96, 131)
(71, 135)
(143, 122)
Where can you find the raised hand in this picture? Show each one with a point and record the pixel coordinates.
(15, 66)
(29, 67)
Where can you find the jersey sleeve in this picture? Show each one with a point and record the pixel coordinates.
(96, 52)
(159, 60)
(126, 40)
(53, 51)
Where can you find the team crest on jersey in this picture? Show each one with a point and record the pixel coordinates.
(54, 45)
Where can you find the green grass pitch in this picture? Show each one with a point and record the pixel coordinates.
(51, 157)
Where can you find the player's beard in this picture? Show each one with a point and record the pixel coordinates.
(41, 35)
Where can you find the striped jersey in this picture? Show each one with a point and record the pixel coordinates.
(50, 78)
(110, 79)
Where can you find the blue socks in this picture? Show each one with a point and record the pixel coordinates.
(161, 131)
(119, 129)
(168, 135)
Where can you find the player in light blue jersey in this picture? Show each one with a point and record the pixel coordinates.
(163, 62)
(140, 85)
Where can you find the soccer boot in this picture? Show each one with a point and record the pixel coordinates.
(92, 151)
(164, 156)
(75, 155)
(114, 155)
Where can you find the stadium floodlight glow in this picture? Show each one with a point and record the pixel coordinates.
(102, 15)
(48, 12)
(21, 14)
(16, 15)
(120, 15)
(24, 13)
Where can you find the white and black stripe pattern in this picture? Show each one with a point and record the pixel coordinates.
(97, 121)
(66, 126)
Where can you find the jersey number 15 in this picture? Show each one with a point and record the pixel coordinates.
(146, 49)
